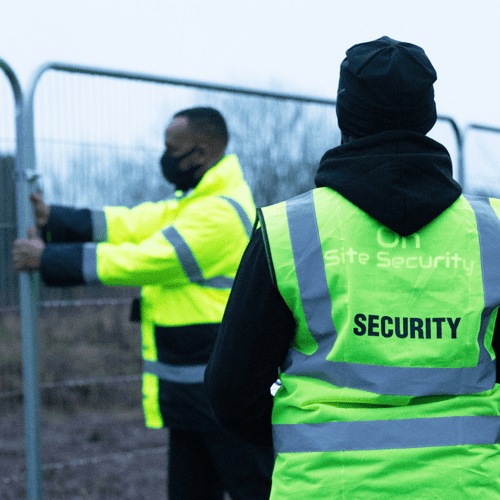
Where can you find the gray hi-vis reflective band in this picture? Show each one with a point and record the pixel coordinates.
(317, 305)
(190, 264)
(89, 263)
(188, 260)
(386, 434)
(488, 226)
(310, 267)
(99, 226)
(192, 374)
(247, 223)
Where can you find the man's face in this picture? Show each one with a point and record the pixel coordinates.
(182, 163)
(179, 141)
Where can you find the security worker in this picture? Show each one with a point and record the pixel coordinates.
(374, 296)
(184, 253)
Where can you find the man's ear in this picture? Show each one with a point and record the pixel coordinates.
(204, 152)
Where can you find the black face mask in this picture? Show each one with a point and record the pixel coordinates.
(182, 179)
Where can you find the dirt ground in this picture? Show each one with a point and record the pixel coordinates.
(94, 444)
(85, 456)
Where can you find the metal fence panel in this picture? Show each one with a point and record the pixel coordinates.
(482, 157)
(9, 283)
(100, 134)
(99, 138)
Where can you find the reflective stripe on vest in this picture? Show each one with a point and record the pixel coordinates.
(187, 259)
(192, 374)
(389, 380)
(386, 434)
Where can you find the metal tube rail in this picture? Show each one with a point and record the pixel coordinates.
(28, 289)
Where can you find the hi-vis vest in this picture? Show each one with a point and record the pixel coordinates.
(388, 391)
(184, 253)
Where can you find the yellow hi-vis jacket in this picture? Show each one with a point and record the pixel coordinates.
(388, 391)
(184, 253)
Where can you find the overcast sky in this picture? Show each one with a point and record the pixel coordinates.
(281, 45)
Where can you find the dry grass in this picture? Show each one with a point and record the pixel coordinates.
(74, 343)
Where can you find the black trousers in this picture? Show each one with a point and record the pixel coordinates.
(204, 465)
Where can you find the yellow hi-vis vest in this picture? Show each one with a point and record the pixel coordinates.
(184, 253)
(388, 391)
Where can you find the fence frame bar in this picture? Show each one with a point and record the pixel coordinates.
(90, 70)
(485, 128)
(28, 289)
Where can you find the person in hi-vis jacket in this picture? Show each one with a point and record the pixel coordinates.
(184, 253)
(374, 298)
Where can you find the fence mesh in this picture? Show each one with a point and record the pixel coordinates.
(99, 139)
(8, 280)
(482, 158)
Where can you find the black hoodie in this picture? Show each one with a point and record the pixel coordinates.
(402, 179)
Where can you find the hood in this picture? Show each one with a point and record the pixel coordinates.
(402, 179)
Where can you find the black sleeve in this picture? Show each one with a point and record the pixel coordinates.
(61, 264)
(68, 225)
(252, 343)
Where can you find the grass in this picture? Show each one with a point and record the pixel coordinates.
(74, 343)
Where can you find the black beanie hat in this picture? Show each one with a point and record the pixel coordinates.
(385, 85)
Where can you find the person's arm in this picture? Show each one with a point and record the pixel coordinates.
(150, 262)
(61, 224)
(253, 340)
(67, 225)
(209, 235)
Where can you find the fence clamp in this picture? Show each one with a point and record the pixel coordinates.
(31, 177)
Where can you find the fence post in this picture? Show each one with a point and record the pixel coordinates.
(28, 288)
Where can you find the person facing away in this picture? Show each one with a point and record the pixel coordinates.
(184, 253)
(374, 296)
